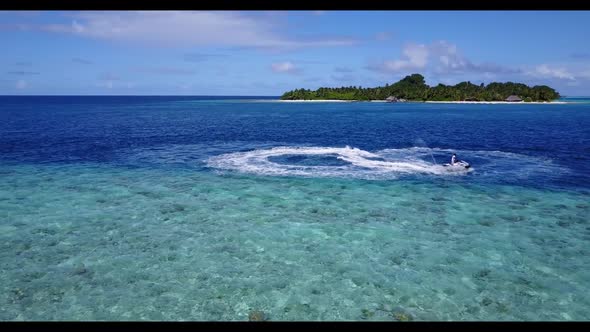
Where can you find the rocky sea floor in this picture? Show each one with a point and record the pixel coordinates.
(84, 242)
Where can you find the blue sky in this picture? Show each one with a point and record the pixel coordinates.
(269, 52)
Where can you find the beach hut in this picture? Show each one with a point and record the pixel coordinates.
(513, 98)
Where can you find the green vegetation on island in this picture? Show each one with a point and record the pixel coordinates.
(414, 88)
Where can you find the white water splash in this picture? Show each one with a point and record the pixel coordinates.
(360, 163)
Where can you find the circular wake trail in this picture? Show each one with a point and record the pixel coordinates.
(358, 163)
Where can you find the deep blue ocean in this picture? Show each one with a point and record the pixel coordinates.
(221, 208)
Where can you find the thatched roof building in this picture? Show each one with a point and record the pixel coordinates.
(513, 98)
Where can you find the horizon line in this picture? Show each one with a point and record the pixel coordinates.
(27, 95)
(266, 96)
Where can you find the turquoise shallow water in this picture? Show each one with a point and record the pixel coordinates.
(96, 242)
(200, 208)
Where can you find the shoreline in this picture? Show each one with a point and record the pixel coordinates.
(497, 102)
(316, 101)
(428, 101)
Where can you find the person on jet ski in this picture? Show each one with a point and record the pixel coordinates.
(454, 159)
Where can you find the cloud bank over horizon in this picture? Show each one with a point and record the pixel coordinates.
(205, 52)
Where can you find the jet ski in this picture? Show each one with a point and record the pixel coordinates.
(461, 164)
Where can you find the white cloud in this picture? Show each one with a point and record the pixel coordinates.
(545, 70)
(448, 57)
(21, 84)
(441, 56)
(450, 61)
(415, 56)
(285, 67)
(185, 28)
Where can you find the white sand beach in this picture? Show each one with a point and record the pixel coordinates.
(430, 101)
(496, 102)
(317, 101)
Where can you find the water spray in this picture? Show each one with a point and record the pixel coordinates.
(420, 142)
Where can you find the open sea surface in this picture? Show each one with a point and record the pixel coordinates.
(212, 208)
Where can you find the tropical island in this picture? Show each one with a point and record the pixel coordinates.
(414, 88)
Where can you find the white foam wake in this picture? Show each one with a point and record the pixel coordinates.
(359, 163)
